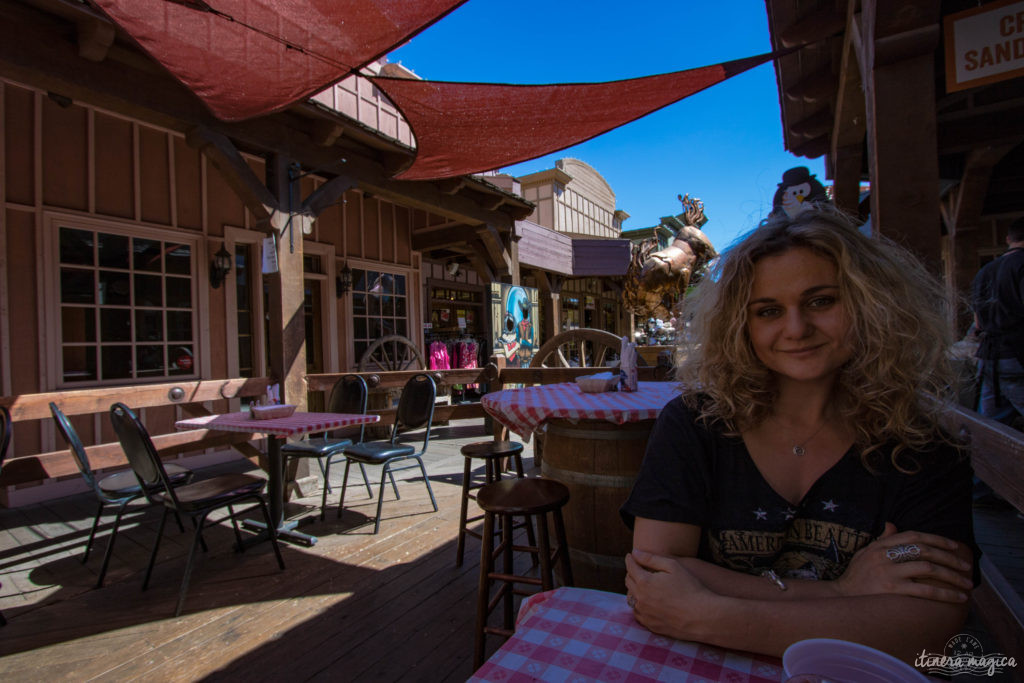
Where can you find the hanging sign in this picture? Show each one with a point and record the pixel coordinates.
(984, 44)
(269, 255)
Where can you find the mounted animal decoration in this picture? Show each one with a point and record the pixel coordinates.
(657, 280)
(798, 191)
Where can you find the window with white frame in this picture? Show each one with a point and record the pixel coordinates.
(127, 304)
(380, 307)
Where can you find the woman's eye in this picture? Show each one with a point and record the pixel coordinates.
(767, 312)
(821, 302)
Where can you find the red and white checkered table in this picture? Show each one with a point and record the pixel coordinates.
(277, 428)
(577, 634)
(523, 410)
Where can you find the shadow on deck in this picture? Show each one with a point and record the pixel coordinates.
(355, 606)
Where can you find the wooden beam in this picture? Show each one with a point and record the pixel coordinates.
(440, 239)
(815, 125)
(95, 37)
(481, 266)
(819, 23)
(900, 104)
(849, 125)
(492, 243)
(813, 148)
(223, 154)
(325, 132)
(962, 133)
(327, 195)
(819, 86)
(450, 185)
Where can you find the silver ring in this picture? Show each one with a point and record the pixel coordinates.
(905, 552)
(631, 601)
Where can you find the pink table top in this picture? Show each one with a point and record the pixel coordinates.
(576, 634)
(523, 410)
(293, 425)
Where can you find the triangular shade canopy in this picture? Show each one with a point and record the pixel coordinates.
(463, 128)
(245, 58)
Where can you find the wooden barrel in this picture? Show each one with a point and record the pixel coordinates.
(599, 462)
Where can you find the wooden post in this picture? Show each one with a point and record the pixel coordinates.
(550, 301)
(898, 69)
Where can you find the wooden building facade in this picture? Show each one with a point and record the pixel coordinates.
(118, 188)
(872, 86)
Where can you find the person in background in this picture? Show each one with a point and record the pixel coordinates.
(997, 297)
(800, 486)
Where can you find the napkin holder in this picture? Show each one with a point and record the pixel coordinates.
(271, 412)
(628, 374)
(595, 384)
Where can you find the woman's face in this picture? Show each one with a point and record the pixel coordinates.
(798, 327)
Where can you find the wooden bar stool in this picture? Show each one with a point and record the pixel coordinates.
(491, 452)
(504, 500)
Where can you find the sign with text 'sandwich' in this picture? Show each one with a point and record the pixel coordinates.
(984, 44)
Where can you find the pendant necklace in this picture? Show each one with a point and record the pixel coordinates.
(798, 448)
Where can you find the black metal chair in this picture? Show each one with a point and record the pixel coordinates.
(196, 500)
(415, 410)
(5, 440)
(118, 489)
(347, 396)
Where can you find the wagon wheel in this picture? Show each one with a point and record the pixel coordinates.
(594, 348)
(390, 353)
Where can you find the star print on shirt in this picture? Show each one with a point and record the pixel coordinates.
(788, 514)
(761, 513)
(830, 506)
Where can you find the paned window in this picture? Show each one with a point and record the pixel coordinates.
(379, 307)
(126, 307)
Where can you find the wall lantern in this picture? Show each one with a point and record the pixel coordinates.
(220, 266)
(452, 267)
(344, 281)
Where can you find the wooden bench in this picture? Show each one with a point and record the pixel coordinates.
(23, 470)
(997, 454)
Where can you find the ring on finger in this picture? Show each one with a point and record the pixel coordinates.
(631, 601)
(904, 552)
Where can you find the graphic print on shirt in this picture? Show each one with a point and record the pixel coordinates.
(805, 549)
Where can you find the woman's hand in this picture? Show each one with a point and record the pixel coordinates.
(939, 573)
(667, 598)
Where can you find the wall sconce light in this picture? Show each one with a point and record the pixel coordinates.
(452, 267)
(343, 283)
(220, 266)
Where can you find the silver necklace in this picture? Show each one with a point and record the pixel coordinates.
(798, 448)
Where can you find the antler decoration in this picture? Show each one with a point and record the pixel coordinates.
(693, 211)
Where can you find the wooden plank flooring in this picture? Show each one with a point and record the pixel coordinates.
(355, 607)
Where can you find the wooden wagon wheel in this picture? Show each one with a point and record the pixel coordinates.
(594, 347)
(390, 353)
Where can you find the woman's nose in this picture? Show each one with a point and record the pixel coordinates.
(796, 323)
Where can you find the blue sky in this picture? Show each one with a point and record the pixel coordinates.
(723, 145)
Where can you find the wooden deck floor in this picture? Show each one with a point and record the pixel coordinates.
(355, 607)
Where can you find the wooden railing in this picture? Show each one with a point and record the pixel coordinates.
(997, 454)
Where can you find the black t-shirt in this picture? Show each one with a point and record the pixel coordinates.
(697, 475)
(997, 297)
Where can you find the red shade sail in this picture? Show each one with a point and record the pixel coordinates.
(245, 58)
(465, 128)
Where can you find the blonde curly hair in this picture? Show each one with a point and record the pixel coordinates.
(899, 334)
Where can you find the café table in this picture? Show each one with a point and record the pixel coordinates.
(578, 634)
(594, 444)
(276, 429)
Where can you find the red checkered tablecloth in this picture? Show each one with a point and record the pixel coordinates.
(293, 425)
(577, 634)
(523, 410)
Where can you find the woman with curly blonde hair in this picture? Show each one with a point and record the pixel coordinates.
(801, 486)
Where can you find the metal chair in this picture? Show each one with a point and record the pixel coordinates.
(196, 500)
(5, 440)
(118, 489)
(347, 396)
(415, 410)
